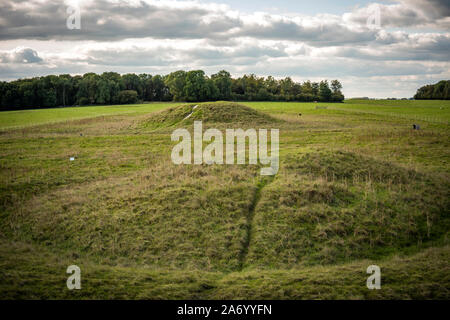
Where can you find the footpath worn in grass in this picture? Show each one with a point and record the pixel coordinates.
(353, 189)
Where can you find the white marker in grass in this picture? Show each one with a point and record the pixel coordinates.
(190, 114)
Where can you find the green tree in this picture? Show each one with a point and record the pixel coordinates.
(26, 91)
(104, 94)
(107, 88)
(133, 82)
(160, 92)
(128, 96)
(222, 80)
(324, 91)
(439, 91)
(272, 85)
(147, 87)
(176, 82)
(196, 86)
(336, 87)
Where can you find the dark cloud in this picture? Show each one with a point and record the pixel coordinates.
(433, 8)
(428, 47)
(105, 20)
(405, 13)
(318, 34)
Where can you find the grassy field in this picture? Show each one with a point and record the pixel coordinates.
(24, 118)
(356, 186)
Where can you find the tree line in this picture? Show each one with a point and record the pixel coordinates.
(113, 88)
(438, 91)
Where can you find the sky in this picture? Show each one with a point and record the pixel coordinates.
(377, 49)
(295, 6)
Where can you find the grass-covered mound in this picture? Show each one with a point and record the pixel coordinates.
(331, 207)
(208, 113)
(353, 189)
(166, 216)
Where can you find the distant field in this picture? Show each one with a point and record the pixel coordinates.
(356, 186)
(401, 103)
(433, 111)
(439, 110)
(23, 118)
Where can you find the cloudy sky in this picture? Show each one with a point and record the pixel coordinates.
(377, 49)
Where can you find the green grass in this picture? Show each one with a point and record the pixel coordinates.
(23, 118)
(437, 111)
(356, 186)
(400, 103)
(209, 113)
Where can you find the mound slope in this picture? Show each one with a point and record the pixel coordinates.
(215, 112)
(332, 207)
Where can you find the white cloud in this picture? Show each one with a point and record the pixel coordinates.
(20, 55)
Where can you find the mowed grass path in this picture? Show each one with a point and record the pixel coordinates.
(355, 187)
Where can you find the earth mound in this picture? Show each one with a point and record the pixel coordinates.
(210, 112)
